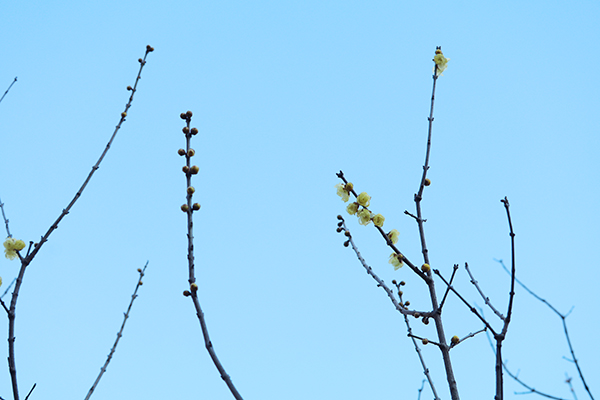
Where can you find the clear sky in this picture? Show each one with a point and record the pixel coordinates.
(285, 94)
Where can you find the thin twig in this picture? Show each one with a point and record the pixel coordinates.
(189, 208)
(420, 390)
(469, 306)
(119, 334)
(563, 318)
(27, 260)
(454, 269)
(5, 219)
(13, 82)
(515, 377)
(397, 305)
(483, 296)
(569, 382)
(419, 353)
(500, 337)
(29, 394)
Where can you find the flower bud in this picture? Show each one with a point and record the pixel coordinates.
(149, 48)
(129, 88)
(346, 243)
(140, 283)
(185, 208)
(181, 152)
(186, 130)
(123, 114)
(196, 206)
(140, 60)
(191, 190)
(186, 293)
(427, 182)
(425, 267)
(194, 131)
(194, 170)
(191, 153)
(425, 341)
(185, 169)
(188, 114)
(455, 339)
(194, 287)
(182, 116)
(139, 270)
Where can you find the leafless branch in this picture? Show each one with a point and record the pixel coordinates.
(119, 334)
(483, 296)
(5, 219)
(563, 318)
(27, 260)
(5, 93)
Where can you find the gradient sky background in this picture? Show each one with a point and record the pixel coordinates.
(285, 94)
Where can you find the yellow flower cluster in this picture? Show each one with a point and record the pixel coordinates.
(11, 246)
(440, 61)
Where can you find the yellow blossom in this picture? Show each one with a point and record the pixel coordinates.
(342, 192)
(364, 199)
(440, 61)
(352, 208)
(10, 254)
(393, 236)
(11, 246)
(455, 339)
(396, 261)
(378, 220)
(364, 217)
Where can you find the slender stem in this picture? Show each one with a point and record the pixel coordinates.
(5, 93)
(437, 317)
(119, 334)
(563, 318)
(502, 335)
(5, 219)
(192, 277)
(27, 260)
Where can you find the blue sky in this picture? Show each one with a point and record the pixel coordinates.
(285, 94)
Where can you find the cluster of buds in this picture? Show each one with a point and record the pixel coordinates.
(187, 169)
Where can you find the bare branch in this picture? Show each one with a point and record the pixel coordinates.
(484, 297)
(5, 93)
(563, 318)
(119, 334)
(5, 219)
(27, 260)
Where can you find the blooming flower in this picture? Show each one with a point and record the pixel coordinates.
(396, 261)
(364, 217)
(440, 61)
(378, 220)
(393, 236)
(364, 199)
(11, 246)
(352, 208)
(343, 192)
